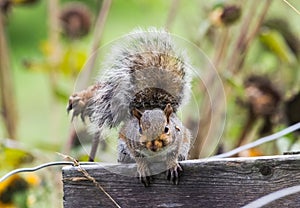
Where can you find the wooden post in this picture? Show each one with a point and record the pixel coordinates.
(232, 182)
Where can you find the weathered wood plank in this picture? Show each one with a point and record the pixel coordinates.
(204, 183)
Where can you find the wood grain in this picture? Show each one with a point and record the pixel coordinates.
(214, 183)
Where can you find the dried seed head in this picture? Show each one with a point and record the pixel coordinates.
(230, 14)
(75, 20)
(225, 15)
(262, 96)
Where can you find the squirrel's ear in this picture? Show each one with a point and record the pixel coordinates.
(168, 111)
(138, 114)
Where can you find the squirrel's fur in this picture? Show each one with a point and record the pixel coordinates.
(144, 82)
(146, 71)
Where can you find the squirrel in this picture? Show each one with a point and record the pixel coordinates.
(144, 83)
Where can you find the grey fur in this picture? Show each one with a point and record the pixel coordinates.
(145, 71)
(144, 82)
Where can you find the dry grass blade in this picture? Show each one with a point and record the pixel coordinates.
(89, 177)
(290, 5)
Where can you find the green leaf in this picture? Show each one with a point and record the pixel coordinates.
(12, 157)
(277, 44)
(61, 94)
(72, 61)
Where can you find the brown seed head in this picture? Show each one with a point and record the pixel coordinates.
(75, 20)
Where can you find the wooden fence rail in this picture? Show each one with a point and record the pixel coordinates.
(232, 182)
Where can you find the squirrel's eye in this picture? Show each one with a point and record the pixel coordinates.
(140, 130)
(166, 130)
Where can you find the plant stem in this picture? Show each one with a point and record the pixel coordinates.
(172, 14)
(87, 72)
(8, 103)
(54, 61)
(98, 33)
(213, 108)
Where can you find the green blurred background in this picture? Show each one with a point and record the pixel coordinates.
(41, 90)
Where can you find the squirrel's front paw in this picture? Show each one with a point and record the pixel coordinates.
(173, 173)
(144, 176)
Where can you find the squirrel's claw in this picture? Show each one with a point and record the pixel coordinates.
(144, 176)
(173, 174)
(145, 180)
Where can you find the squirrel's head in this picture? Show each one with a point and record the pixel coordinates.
(155, 130)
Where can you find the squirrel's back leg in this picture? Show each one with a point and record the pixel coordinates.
(79, 103)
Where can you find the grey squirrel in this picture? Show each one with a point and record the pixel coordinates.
(144, 83)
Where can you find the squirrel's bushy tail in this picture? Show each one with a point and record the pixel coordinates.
(144, 71)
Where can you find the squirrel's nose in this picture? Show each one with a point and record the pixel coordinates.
(153, 148)
(155, 145)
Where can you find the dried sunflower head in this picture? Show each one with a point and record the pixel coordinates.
(75, 20)
(263, 98)
(225, 15)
